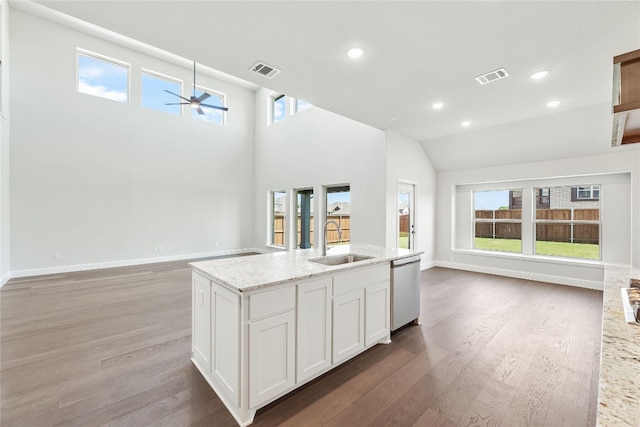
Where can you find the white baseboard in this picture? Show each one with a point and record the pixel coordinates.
(125, 263)
(425, 265)
(5, 279)
(539, 277)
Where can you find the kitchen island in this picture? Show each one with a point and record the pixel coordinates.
(264, 325)
(619, 386)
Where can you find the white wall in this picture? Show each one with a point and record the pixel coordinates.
(4, 145)
(619, 172)
(407, 162)
(316, 148)
(103, 182)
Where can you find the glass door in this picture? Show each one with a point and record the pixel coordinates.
(406, 215)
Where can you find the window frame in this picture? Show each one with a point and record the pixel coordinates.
(211, 92)
(116, 62)
(338, 188)
(592, 188)
(572, 222)
(272, 219)
(495, 221)
(161, 76)
(298, 229)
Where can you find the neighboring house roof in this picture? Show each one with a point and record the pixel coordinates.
(339, 208)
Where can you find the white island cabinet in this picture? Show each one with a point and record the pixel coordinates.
(262, 338)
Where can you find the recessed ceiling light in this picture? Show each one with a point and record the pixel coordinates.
(465, 124)
(553, 104)
(437, 105)
(355, 52)
(539, 74)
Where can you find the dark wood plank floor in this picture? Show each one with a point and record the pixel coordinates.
(112, 348)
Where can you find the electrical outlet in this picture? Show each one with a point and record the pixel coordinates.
(57, 256)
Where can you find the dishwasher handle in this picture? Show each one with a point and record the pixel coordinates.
(405, 261)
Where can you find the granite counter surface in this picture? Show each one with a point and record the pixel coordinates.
(253, 272)
(619, 388)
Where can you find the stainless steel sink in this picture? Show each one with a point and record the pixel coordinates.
(340, 259)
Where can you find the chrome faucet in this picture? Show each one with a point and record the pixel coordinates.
(324, 242)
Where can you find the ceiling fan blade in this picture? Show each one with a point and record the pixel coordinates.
(177, 103)
(199, 110)
(215, 106)
(179, 96)
(203, 97)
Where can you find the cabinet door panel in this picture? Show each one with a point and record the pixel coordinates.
(201, 327)
(348, 325)
(226, 347)
(377, 323)
(271, 357)
(314, 328)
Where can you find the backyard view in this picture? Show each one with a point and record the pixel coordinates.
(566, 221)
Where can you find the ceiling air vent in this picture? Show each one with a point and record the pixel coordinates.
(492, 76)
(265, 70)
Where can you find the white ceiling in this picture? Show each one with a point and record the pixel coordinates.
(416, 52)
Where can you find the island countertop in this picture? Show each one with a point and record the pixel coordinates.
(619, 387)
(247, 273)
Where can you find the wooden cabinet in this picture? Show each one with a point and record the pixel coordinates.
(201, 323)
(272, 357)
(313, 338)
(626, 98)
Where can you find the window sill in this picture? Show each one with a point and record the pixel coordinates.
(589, 263)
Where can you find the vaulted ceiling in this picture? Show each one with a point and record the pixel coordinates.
(416, 53)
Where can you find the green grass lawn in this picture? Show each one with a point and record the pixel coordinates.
(403, 240)
(573, 250)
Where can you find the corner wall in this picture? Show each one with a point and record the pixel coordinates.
(4, 144)
(104, 183)
(407, 162)
(316, 148)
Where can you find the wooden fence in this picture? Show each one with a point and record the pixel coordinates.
(404, 223)
(332, 232)
(555, 225)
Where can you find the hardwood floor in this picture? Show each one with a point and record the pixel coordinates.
(112, 348)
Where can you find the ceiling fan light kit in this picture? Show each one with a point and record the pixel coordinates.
(195, 101)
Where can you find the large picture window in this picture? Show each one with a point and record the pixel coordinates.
(498, 220)
(570, 225)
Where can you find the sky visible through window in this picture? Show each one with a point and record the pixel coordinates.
(279, 108)
(102, 78)
(490, 200)
(212, 115)
(155, 97)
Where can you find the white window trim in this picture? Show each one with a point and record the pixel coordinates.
(494, 220)
(591, 189)
(571, 222)
(80, 51)
(216, 93)
(270, 219)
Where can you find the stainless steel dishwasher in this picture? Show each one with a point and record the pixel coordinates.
(405, 291)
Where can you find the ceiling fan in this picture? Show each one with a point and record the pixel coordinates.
(195, 101)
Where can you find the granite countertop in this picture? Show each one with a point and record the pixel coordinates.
(252, 272)
(619, 388)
